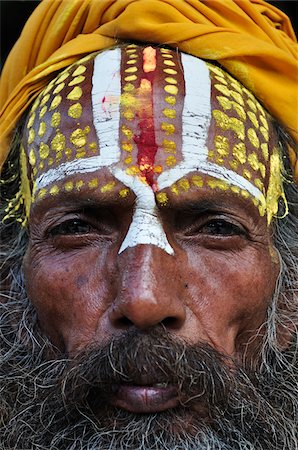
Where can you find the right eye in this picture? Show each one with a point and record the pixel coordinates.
(71, 227)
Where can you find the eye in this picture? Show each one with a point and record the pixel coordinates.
(71, 227)
(220, 227)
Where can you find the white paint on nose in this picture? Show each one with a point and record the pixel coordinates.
(146, 227)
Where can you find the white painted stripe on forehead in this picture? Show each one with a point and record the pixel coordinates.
(84, 165)
(196, 115)
(106, 91)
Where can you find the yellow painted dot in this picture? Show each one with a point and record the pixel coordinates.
(56, 102)
(237, 87)
(35, 105)
(264, 133)
(169, 63)
(79, 185)
(93, 146)
(78, 138)
(247, 174)
(218, 184)
(197, 181)
(216, 70)
(235, 189)
(253, 119)
(169, 113)
(43, 111)
(31, 136)
(92, 184)
(68, 152)
(32, 158)
(265, 151)
(108, 187)
(44, 150)
(130, 78)
(127, 146)
(131, 69)
(239, 152)
(252, 105)
(76, 80)
(158, 169)
(128, 87)
(170, 89)
(134, 170)
(229, 123)
(50, 161)
(124, 192)
(130, 50)
(42, 193)
(31, 120)
(127, 131)
(171, 80)
(44, 99)
(262, 169)
(238, 97)
(79, 71)
(234, 164)
(58, 143)
(264, 122)
(75, 94)
(167, 55)
(170, 145)
(223, 89)
(42, 129)
(75, 111)
(252, 136)
(68, 186)
(81, 153)
(127, 100)
(244, 193)
(168, 128)
(129, 114)
(174, 189)
(62, 77)
(170, 99)
(222, 145)
(54, 190)
(55, 119)
(170, 71)
(162, 198)
(221, 79)
(131, 61)
(253, 161)
(259, 183)
(58, 88)
(184, 184)
(128, 160)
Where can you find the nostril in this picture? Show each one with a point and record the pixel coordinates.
(123, 322)
(171, 323)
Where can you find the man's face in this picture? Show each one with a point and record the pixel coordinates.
(149, 211)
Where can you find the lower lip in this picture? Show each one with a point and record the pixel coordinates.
(145, 399)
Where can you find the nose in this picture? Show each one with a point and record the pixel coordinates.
(148, 292)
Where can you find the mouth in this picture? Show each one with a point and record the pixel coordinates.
(145, 399)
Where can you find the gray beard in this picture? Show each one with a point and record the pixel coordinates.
(51, 402)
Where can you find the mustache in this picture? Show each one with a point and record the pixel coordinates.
(199, 372)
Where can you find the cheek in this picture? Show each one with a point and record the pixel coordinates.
(231, 293)
(70, 294)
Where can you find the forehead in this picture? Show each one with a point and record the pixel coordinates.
(152, 116)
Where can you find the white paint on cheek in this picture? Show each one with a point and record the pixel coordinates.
(145, 227)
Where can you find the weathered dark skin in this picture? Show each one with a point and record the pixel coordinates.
(216, 288)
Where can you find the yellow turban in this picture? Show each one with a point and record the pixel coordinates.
(253, 40)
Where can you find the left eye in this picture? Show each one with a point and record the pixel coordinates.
(74, 226)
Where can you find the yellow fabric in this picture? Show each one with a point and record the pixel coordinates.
(253, 40)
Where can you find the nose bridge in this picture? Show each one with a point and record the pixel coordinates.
(146, 291)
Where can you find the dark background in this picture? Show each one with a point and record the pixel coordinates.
(14, 14)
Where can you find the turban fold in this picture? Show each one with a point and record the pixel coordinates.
(251, 39)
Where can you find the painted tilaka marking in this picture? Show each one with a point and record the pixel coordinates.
(134, 130)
